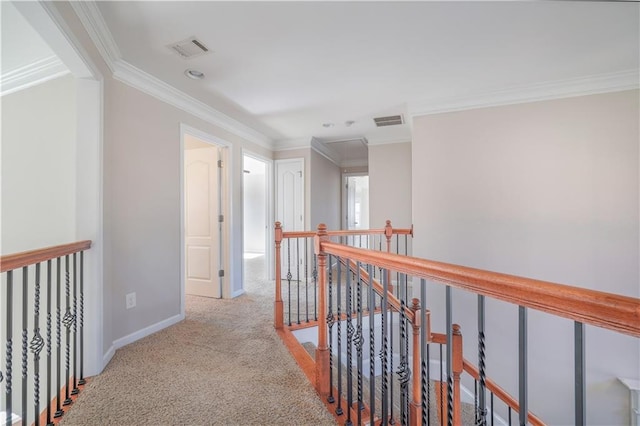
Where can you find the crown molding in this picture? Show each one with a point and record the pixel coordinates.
(325, 151)
(373, 141)
(94, 23)
(589, 85)
(291, 144)
(33, 74)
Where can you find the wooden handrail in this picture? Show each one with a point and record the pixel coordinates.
(18, 260)
(351, 232)
(500, 393)
(606, 310)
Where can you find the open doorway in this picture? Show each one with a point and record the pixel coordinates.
(256, 217)
(356, 204)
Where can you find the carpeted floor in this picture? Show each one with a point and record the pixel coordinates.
(223, 365)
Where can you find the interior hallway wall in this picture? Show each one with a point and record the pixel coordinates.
(547, 190)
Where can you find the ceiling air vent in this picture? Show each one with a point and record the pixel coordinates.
(189, 48)
(391, 120)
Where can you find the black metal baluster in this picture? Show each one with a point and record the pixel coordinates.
(475, 402)
(36, 345)
(25, 353)
(372, 352)
(424, 356)
(82, 381)
(339, 313)
(492, 412)
(404, 372)
(306, 279)
(449, 357)
(9, 349)
(384, 354)
(350, 334)
(315, 286)
(522, 365)
(59, 412)
(406, 246)
(49, 422)
(441, 386)
(579, 367)
(359, 341)
(330, 322)
(75, 389)
(289, 276)
(298, 273)
(482, 403)
(67, 320)
(391, 418)
(509, 415)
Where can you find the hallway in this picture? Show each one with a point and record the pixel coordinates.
(224, 364)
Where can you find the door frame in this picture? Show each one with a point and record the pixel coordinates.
(343, 189)
(226, 249)
(269, 211)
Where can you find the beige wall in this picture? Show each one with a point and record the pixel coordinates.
(39, 166)
(325, 192)
(390, 185)
(547, 190)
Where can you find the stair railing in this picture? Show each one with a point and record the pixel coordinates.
(296, 265)
(583, 306)
(54, 274)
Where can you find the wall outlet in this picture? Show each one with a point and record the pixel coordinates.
(131, 300)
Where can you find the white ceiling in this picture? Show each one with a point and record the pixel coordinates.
(285, 68)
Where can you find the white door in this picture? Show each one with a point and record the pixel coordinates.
(290, 194)
(202, 234)
(290, 211)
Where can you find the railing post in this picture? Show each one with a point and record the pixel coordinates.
(457, 368)
(322, 351)
(277, 305)
(388, 233)
(415, 409)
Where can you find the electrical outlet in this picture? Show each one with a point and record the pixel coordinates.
(131, 300)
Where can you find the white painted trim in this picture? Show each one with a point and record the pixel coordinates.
(588, 85)
(269, 234)
(94, 23)
(325, 151)
(32, 74)
(291, 144)
(108, 356)
(97, 28)
(376, 142)
(147, 331)
(237, 293)
(227, 175)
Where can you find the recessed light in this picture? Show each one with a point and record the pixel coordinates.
(328, 125)
(194, 74)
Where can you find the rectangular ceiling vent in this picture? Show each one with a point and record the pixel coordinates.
(189, 48)
(391, 120)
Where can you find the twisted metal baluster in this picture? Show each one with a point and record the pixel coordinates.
(298, 274)
(25, 344)
(385, 347)
(482, 403)
(82, 381)
(449, 356)
(49, 422)
(350, 333)
(424, 356)
(9, 348)
(36, 346)
(75, 389)
(372, 352)
(404, 372)
(330, 322)
(67, 320)
(359, 341)
(314, 274)
(339, 310)
(306, 280)
(59, 412)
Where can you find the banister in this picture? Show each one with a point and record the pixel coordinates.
(18, 260)
(499, 392)
(611, 311)
(350, 232)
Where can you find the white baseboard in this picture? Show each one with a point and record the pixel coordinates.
(130, 338)
(237, 293)
(107, 356)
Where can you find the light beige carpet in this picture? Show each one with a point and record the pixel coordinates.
(223, 365)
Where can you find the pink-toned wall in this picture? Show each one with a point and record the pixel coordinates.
(547, 190)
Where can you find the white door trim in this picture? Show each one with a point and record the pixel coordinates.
(269, 234)
(343, 190)
(227, 252)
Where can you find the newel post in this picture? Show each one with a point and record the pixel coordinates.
(388, 233)
(415, 409)
(277, 305)
(457, 368)
(322, 351)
